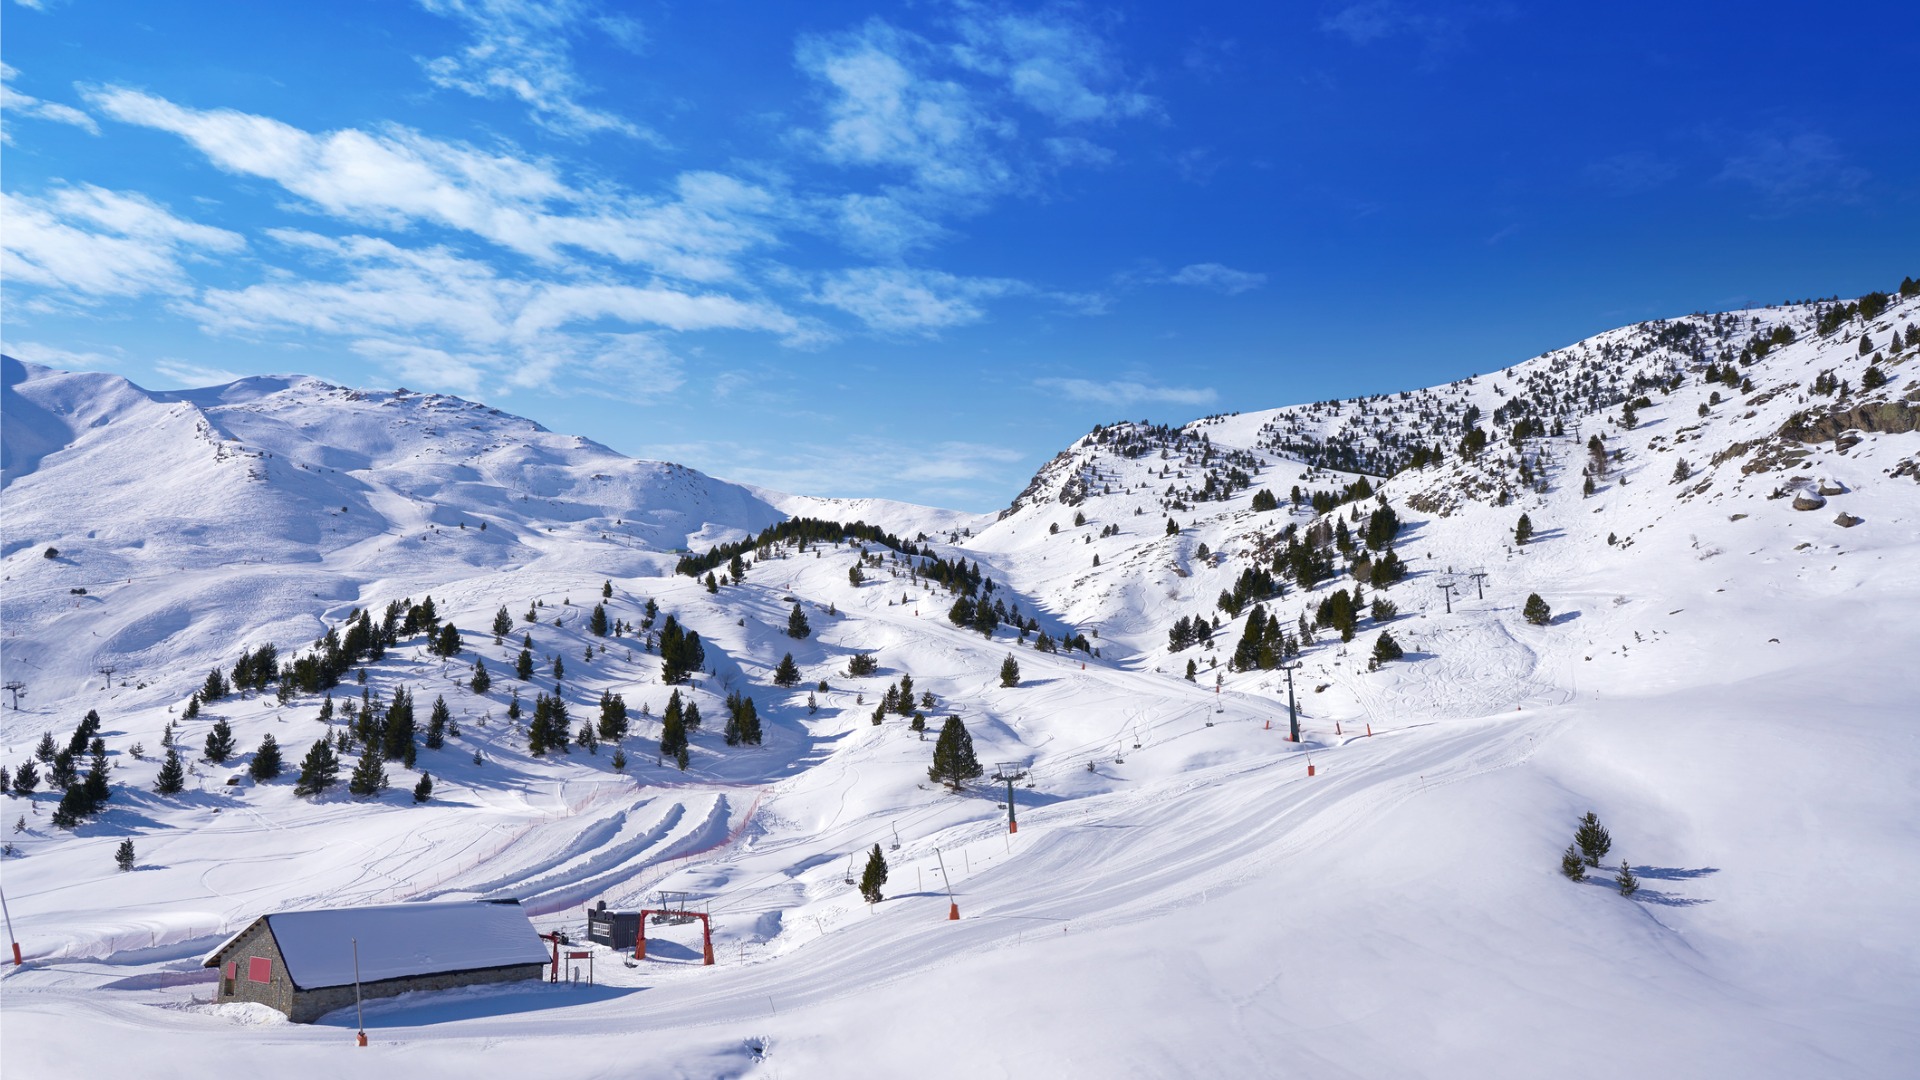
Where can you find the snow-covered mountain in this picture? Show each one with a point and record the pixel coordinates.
(1725, 525)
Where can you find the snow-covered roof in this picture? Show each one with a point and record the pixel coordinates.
(397, 941)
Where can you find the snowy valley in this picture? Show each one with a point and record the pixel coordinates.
(1721, 519)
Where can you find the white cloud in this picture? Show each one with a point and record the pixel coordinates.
(1125, 393)
(33, 352)
(860, 466)
(457, 324)
(20, 103)
(187, 374)
(1790, 168)
(398, 176)
(521, 49)
(886, 111)
(1217, 277)
(1057, 67)
(88, 242)
(898, 301)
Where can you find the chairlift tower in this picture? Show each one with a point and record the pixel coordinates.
(1479, 576)
(1446, 586)
(1009, 771)
(14, 686)
(1293, 713)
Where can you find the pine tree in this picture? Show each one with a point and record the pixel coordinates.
(1572, 865)
(1593, 839)
(482, 682)
(396, 742)
(47, 748)
(73, 808)
(64, 774)
(597, 624)
(523, 665)
(619, 761)
(673, 729)
(369, 777)
(586, 738)
(797, 625)
(437, 724)
(1523, 530)
(172, 779)
(193, 707)
(1625, 881)
(559, 668)
(854, 576)
(713, 583)
(1536, 610)
(502, 624)
(788, 673)
(123, 855)
(953, 760)
(219, 742)
(613, 716)
(319, 770)
(692, 715)
(1386, 649)
(873, 877)
(423, 790)
(96, 786)
(448, 641)
(266, 762)
(606, 589)
(1009, 672)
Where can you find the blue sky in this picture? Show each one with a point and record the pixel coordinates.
(914, 250)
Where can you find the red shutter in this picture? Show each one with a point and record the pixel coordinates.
(233, 970)
(259, 969)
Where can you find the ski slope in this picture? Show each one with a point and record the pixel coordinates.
(1728, 682)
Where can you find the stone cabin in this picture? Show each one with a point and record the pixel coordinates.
(301, 962)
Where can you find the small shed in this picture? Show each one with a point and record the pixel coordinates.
(302, 962)
(618, 930)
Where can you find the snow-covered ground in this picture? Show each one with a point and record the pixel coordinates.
(1729, 683)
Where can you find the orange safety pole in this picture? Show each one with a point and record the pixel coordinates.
(706, 943)
(640, 943)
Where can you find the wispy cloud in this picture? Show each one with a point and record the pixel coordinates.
(522, 49)
(902, 302)
(1219, 278)
(1631, 173)
(19, 103)
(88, 243)
(452, 322)
(1052, 63)
(185, 373)
(34, 352)
(1788, 168)
(397, 176)
(1125, 393)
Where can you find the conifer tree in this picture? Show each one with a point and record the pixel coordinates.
(319, 770)
(513, 705)
(1009, 671)
(523, 665)
(1536, 610)
(606, 589)
(953, 760)
(586, 738)
(73, 808)
(26, 778)
(1572, 865)
(597, 624)
(448, 641)
(193, 707)
(172, 779)
(423, 790)
(559, 668)
(369, 777)
(1593, 839)
(437, 724)
(219, 742)
(63, 774)
(797, 625)
(1386, 649)
(874, 876)
(787, 674)
(266, 762)
(482, 682)
(47, 748)
(502, 624)
(123, 855)
(613, 716)
(1625, 881)
(692, 715)
(397, 737)
(1523, 530)
(673, 729)
(619, 761)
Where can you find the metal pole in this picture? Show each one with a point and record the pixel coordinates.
(1293, 714)
(953, 906)
(359, 1016)
(9, 917)
(1012, 825)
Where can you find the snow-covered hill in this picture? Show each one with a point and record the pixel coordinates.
(1725, 677)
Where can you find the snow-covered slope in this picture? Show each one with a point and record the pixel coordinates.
(1725, 678)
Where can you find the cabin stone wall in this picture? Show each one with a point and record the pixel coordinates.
(258, 943)
(306, 1006)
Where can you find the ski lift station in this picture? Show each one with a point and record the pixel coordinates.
(306, 963)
